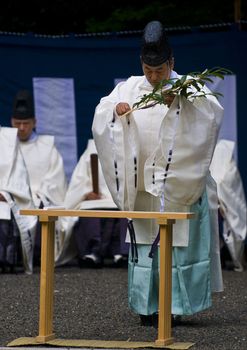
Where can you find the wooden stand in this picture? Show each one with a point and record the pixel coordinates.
(48, 218)
(46, 279)
(165, 283)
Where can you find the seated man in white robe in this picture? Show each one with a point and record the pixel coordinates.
(157, 159)
(232, 205)
(96, 239)
(17, 232)
(44, 162)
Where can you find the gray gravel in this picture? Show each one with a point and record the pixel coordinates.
(93, 304)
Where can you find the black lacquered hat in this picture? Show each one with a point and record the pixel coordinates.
(155, 49)
(23, 107)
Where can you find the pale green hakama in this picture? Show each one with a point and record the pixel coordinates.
(191, 287)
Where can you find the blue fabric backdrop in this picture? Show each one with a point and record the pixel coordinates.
(94, 63)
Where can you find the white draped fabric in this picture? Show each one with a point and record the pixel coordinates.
(135, 158)
(46, 170)
(227, 87)
(231, 199)
(47, 176)
(15, 187)
(81, 184)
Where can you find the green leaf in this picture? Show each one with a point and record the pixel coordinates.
(181, 87)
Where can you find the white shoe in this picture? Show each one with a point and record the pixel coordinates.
(92, 257)
(117, 258)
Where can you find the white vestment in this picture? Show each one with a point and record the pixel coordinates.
(46, 170)
(135, 153)
(157, 159)
(15, 187)
(80, 185)
(47, 176)
(231, 199)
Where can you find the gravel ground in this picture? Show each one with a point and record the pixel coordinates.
(92, 304)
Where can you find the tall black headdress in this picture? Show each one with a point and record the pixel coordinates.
(23, 107)
(155, 48)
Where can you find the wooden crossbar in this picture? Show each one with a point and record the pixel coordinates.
(108, 214)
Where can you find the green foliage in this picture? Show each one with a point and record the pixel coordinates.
(189, 86)
(134, 15)
(76, 16)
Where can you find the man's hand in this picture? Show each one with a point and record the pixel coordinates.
(168, 99)
(92, 196)
(122, 108)
(2, 199)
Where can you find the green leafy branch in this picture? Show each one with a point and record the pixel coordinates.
(189, 85)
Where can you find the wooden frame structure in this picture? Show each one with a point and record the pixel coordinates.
(47, 217)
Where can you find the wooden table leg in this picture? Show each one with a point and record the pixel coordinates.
(46, 279)
(165, 283)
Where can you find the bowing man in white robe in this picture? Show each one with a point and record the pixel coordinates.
(157, 159)
(90, 239)
(232, 202)
(44, 162)
(15, 194)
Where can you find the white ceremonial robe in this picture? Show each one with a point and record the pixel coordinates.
(80, 185)
(215, 261)
(46, 170)
(15, 187)
(137, 150)
(137, 154)
(231, 199)
(47, 176)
